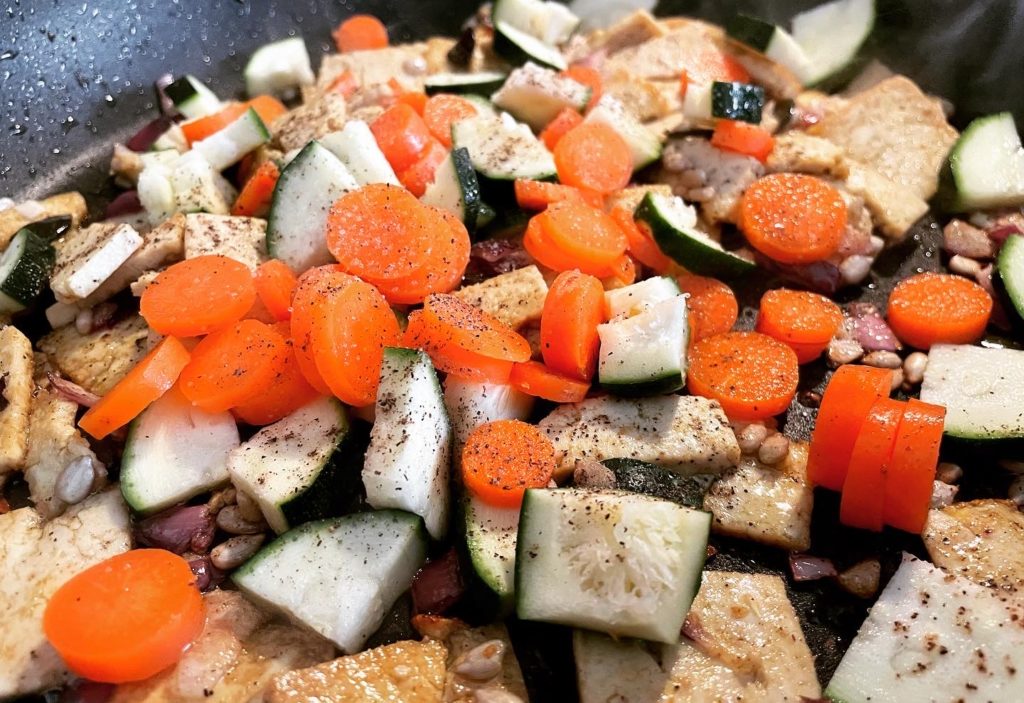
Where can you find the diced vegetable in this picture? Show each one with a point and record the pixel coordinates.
(481, 83)
(357, 149)
(986, 166)
(594, 157)
(737, 101)
(573, 309)
(1010, 267)
(550, 22)
(646, 354)
(831, 35)
(504, 458)
(863, 498)
(360, 33)
(471, 404)
(908, 482)
(936, 308)
(228, 146)
(25, 268)
(491, 542)
(191, 98)
(172, 304)
(713, 308)
(455, 188)
(279, 67)
(772, 41)
(536, 95)
(802, 320)
(503, 149)
(518, 47)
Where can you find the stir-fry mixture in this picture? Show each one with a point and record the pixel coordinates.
(446, 336)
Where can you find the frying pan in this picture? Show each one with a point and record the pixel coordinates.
(77, 76)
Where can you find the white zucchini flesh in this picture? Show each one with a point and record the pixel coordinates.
(471, 404)
(227, 146)
(357, 149)
(831, 34)
(174, 452)
(634, 299)
(987, 164)
(278, 67)
(491, 542)
(338, 577)
(933, 636)
(616, 562)
(407, 462)
(646, 354)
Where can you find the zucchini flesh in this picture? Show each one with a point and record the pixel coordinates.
(645, 354)
(634, 299)
(455, 188)
(535, 95)
(737, 101)
(192, 98)
(502, 149)
(831, 35)
(986, 166)
(491, 543)
(278, 67)
(25, 268)
(644, 144)
(227, 146)
(1010, 267)
(518, 47)
(482, 83)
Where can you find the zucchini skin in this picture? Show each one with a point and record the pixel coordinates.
(737, 101)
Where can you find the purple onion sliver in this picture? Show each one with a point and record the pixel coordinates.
(1000, 233)
(438, 585)
(83, 691)
(127, 203)
(207, 575)
(810, 568)
(72, 391)
(180, 529)
(821, 276)
(145, 137)
(870, 330)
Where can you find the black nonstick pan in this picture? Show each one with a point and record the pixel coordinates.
(75, 76)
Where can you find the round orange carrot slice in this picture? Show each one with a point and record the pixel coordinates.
(198, 296)
(360, 33)
(275, 286)
(349, 338)
(793, 218)
(379, 232)
(938, 308)
(848, 397)
(753, 376)
(502, 459)
(442, 111)
(803, 320)
(908, 483)
(712, 306)
(311, 288)
(536, 379)
(142, 606)
(147, 381)
(448, 319)
(594, 156)
(233, 365)
(573, 309)
(288, 392)
(862, 503)
(564, 122)
(583, 233)
(454, 360)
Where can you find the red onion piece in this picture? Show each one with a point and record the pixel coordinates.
(127, 203)
(87, 692)
(167, 106)
(185, 528)
(72, 391)
(145, 137)
(207, 575)
(491, 257)
(438, 585)
(821, 276)
(870, 330)
(810, 568)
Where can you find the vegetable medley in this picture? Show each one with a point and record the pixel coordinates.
(360, 369)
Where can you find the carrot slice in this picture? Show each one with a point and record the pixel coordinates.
(623, 271)
(454, 360)
(379, 232)
(259, 312)
(536, 379)
(501, 459)
(537, 195)
(705, 64)
(421, 174)
(288, 392)
(143, 606)
(275, 286)
(594, 156)
(233, 365)
(442, 111)
(684, 84)
(573, 309)
(268, 108)
(349, 336)
(442, 268)
(712, 306)
(147, 381)
(863, 500)
(639, 242)
(451, 320)
(938, 308)
(258, 191)
(402, 135)
(359, 33)
(753, 376)
(803, 320)
(415, 99)
(908, 484)
(314, 285)
(848, 397)
(584, 233)
(589, 77)
(743, 138)
(793, 218)
(564, 122)
(540, 246)
(198, 296)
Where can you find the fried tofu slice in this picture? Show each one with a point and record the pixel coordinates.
(243, 239)
(516, 298)
(16, 385)
(799, 152)
(87, 257)
(298, 127)
(408, 671)
(98, 360)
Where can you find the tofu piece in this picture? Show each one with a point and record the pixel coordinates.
(14, 218)
(375, 66)
(140, 284)
(162, 245)
(629, 32)
(44, 555)
(765, 504)
(741, 642)
(235, 658)
(894, 207)
(727, 175)
(896, 130)
(408, 671)
(516, 298)
(298, 127)
(53, 442)
(630, 196)
(646, 100)
(796, 151)
(98, 360)
(16, 385)
(87, 257)
(243, 239)
(982, 540)
(685, 434)
(663, 57)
